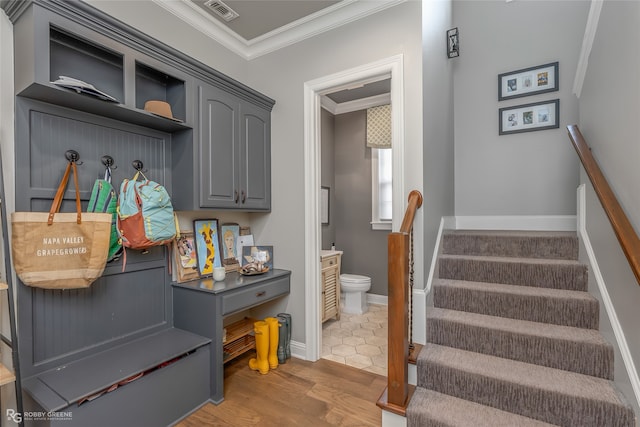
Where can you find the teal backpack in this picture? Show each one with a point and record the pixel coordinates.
(145, 214)
(104, 199)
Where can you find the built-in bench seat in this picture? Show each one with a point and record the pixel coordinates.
(175, 379)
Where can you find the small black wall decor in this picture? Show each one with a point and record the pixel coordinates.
(453, 43)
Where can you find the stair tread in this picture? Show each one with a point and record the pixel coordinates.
(511, 233)
(523, 374)
(450, 410)
(515, 290)
(514, 260)
(525, 327)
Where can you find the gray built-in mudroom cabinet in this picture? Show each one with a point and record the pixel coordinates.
(75, 343)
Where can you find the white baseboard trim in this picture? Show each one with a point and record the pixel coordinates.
(606, 299)
(298, 350)
(517, 222)
(389, 419)
(419, 316)
(377, 299)
(446, 223)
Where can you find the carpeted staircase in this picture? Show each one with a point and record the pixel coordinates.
(512, 339)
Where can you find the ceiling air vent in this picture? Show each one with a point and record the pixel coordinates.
(221, 9)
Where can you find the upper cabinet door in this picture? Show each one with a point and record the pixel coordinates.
(234, 152)
(255, 155)
(219, 148)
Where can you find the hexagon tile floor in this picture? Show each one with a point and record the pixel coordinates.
(358, 340)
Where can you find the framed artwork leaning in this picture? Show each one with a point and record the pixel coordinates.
(184, 248)
(207, 243)
(229, 234)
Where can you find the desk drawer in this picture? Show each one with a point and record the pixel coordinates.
(242, 299)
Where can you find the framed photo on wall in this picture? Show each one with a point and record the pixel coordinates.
(207, 243)
(528, 81)
(529, 117)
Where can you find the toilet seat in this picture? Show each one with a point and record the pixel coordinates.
(354, 278)
(355, 283)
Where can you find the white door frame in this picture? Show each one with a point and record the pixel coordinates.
(313, 91)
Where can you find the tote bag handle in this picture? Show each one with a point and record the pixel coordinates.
(57, 201)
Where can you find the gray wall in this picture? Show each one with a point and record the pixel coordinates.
(365, 250)
(609, 111)
(437, 123)
(328, 176)
(532, 173)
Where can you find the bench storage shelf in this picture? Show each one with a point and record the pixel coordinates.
(170, 360)
(238, 339)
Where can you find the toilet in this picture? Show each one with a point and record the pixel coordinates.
(354, 289)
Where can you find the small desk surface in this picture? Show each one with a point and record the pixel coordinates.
(231, 282)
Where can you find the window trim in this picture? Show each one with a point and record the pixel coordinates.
(376, 222)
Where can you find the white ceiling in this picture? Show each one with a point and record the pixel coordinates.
(268, 25)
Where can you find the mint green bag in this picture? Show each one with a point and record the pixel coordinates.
(104, 199)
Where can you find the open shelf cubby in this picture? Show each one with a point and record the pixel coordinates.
(239, 339)
(152, 84)
(73, 56)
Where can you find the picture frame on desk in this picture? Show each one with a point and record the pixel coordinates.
(207, 243)
(262, 254)
(229, 233)
(184, 248)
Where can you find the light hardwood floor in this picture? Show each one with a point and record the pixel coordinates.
(297, 393)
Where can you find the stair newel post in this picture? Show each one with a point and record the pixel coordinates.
(396, 396)
(398, 276)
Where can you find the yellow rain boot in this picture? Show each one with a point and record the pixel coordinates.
(273, 341)
(261, 362)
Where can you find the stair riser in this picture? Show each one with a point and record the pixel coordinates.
(555, 276)
(566, 312)
(583, 358)
(565, 247)
(545, 405)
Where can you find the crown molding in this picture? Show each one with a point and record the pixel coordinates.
(355, 105)
(587, 44)
(324, 20)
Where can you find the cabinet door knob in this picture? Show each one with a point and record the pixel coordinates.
(244, 196)
(261, 294)
(235, 198)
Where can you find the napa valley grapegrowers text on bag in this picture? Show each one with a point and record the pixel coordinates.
(57, 250)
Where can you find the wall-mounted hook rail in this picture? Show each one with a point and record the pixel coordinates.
(72, 156)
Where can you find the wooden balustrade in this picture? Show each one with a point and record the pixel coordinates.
(396, 396)
(627, 236)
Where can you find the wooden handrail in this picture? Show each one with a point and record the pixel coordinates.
(415, 202)
(397, 394)
(627, 236)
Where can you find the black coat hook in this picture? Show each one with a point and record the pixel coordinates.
(107, 161)
(138, 165)
(72, 156)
